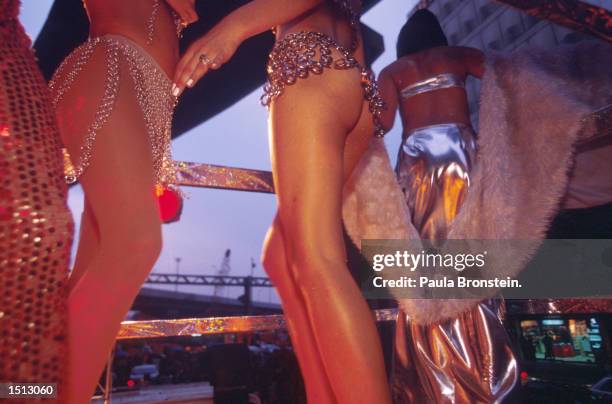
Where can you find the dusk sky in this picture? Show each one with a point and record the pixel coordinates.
(214, 220)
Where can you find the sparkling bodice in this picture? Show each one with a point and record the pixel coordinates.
(438, 82)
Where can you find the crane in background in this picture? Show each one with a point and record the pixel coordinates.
(224, 270)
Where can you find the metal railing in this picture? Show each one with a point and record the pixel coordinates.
(209, 280)
(203, 326)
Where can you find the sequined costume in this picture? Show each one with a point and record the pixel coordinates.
(299, 54)
(35, 223)
(153, 90)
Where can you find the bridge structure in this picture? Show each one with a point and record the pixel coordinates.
(164, 304)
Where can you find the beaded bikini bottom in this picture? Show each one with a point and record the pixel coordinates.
(153, 90)
(300, 54)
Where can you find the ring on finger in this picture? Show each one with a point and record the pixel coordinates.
(204, 59)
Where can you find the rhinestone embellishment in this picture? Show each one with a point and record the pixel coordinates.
(153, 92)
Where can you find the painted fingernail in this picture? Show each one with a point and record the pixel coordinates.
(175, 90)
(190, 83)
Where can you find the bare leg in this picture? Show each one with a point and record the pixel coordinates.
(308, 145)
(318, 389)
(119, 188)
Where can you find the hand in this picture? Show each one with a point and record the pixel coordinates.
(185, 10)
(209, 52)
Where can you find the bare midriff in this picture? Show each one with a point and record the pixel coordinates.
(441, 106)
(131, 19)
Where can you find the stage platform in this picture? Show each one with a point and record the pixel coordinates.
(187, 393)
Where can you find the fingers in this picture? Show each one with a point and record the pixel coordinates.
(197, 74)
(189, 15)
(185, 10)
(184, 73)
(216, 62)
(191, 69)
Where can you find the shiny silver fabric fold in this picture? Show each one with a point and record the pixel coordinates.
(444, 80)
(433, 171)
(464, 360)
(467, 359)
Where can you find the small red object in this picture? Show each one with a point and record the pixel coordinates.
(131, 383)
(170, 204)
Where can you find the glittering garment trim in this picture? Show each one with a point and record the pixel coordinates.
(345, 9)
(444, 80)
(9, 9)
(295, 57)
(153, 92)
(153, 17)
(35, 223)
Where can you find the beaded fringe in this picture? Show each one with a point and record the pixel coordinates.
(295, 57)
(153, 93)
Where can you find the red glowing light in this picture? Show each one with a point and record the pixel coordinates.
(170, 204)
(524, 375)
(131, 383)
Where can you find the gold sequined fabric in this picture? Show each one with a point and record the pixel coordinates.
(153, 91)
(35, 223)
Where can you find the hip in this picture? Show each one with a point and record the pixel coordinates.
(437, 145)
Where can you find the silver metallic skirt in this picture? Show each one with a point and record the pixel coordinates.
(467, 359)
(433, 171)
